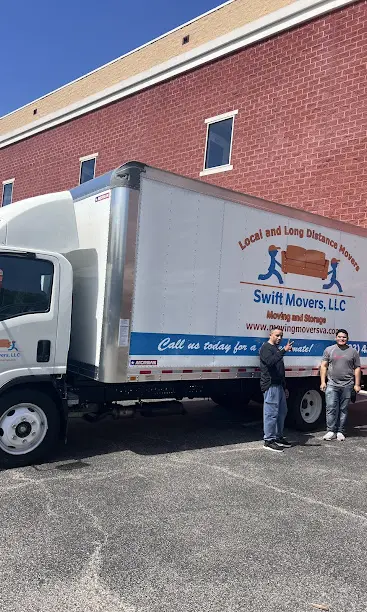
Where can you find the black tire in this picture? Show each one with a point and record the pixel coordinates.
(50, 431)
(306, 407)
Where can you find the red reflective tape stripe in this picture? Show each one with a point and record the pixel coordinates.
(257, 369)
(288, 369)
(206, 370)
(242, 369)
(145, 372)
(302, 369)
(187, 371)
(225, 370)
(167, 371)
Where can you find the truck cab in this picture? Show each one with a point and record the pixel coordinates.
(35, 319)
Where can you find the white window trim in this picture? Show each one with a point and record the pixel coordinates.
(225, 167)
(88, 157)
(216, 170)
(84, 159)
(222, 117)
(7, 182)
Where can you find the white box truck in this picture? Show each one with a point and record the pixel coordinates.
(141, 284)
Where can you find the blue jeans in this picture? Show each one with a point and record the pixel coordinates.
(275, 411)
(337, 402)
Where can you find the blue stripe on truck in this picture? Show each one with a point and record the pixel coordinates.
(188, 344)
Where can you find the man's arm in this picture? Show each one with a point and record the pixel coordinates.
(357, 380)
(323, 374)
(269, 357)
(357, 372)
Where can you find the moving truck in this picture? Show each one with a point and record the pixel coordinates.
(144, 285)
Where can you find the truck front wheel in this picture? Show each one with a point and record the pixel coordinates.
(306, 407)
(29, 427)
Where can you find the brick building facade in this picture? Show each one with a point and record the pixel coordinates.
(299, 133)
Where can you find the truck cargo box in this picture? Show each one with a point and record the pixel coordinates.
(175, 279)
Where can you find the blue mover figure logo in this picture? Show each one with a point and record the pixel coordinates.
(332, 273)
(272, 271)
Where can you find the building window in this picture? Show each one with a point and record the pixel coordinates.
(87, 168)
(218, 148)
(7, 196)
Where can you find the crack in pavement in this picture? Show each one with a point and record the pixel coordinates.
(25, 481)
(85, 591)
(56, 478)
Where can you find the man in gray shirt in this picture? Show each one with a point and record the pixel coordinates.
(342, 366)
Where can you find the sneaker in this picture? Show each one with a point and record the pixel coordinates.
(283, 442)
(340, 436)
(330, 435)
(272, 446)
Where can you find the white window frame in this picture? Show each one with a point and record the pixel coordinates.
(84, 159)
(7, 182)
(225, 167)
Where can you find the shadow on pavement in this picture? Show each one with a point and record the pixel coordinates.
(357, 419)
(205, 425)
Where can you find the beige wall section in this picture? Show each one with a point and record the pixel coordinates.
(222, 21)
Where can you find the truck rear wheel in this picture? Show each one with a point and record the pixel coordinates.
(306, 407)
(29, 427)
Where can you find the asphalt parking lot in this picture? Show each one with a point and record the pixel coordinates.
(185, 514)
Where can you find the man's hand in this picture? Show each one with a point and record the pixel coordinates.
(323, 374)
(357, 388)
(288, 346)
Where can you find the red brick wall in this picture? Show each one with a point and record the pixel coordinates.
(300, 134)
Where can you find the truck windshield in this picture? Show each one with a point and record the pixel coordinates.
(25, 286)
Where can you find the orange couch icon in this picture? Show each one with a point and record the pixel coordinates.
(296, 260)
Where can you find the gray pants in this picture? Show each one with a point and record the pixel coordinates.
(337, 402)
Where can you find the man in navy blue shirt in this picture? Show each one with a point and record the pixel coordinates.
(273, 386)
